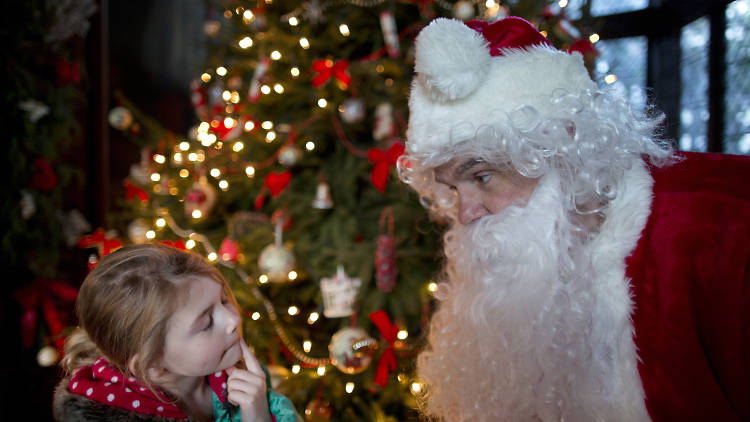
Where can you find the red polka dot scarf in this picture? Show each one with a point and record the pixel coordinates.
(103, 383)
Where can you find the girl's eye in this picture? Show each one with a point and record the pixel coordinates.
(210, 323)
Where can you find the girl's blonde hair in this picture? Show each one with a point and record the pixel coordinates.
(125, 303)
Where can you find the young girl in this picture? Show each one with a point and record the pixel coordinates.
(159, 336)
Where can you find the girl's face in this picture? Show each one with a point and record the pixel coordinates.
(202, 335)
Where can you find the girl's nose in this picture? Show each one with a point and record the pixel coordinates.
(233, 320)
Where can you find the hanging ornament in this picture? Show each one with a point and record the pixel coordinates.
(275, 260)
(339, 293)
(70, 18)
(390, 35)
(383, 159)
(289, 155)
(318, 410)
(67, 72)
(137, 230)
(322, 200)
(386, 269)
(120, 118)
(44, 177)
(351, 350)
(74, 225)
(384, 126)
(28, 205)
(198, 98)
(200, 197)
(253, 93)
(326, 69)
(463, 10)
(47, 356)
(313, 12)
(229, 251)
(352, 110)
(34, 109)
(105, 243)
(211, 28)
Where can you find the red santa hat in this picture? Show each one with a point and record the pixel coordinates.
(468, 72)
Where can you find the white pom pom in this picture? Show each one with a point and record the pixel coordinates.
(452, 59)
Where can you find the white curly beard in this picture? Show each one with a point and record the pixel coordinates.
(514, 337)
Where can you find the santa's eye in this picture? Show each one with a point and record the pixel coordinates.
(482, 178)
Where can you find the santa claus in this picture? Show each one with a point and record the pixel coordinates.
(590, 272)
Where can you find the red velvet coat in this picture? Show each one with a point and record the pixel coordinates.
(690, 278)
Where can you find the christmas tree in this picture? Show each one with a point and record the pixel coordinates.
(287, 183)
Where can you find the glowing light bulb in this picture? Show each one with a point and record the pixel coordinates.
(313, 317)
(184, 173)
(184, 146)
(293, 21)
(278, 88)
(610, 79)
(263, 279)
(295, 369)
(221, 71)
(275, 55)
(155, 177)
(203, 127)
(238, 146)
(594, 38)
(193, 156)
(215, 173)
(322, 103)
(293, 310)
(205, 77)
(432, 287)
(292, 275)
(150, 234)
(321, 370)
(265, 89)
(212, 256)
(349, 387)
(562, 3)
(246, 42)
(294, 71)
(226, 95)
(270, 136)
(344, 29)
(255, 316)
(489, 4)
(416, 387)
(304, 43)
(223, 185)
(267, 125)
(307, 345)
(249, 125)
(197, 214)
(402, 335)
(159, 158)
(310, 145)
(160, 222)
(177, 158)
(250, 171)
(190, 244)
(234, 98)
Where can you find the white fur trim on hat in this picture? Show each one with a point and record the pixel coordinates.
(459, 88)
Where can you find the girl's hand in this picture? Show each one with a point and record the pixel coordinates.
(246, 388)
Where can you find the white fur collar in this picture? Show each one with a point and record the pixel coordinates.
(613, 331)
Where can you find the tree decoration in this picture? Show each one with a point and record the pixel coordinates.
(390, 34)
(463, 10)
(132, 191)
(27, 204)
(352, 110)
(44, 295)
(47, 356)
(137, 231)
(211, 28)
(105, 243)
(74, 225)
(351, 350)
(322, 200)
(67, 72)
(275, 260)
(44, 177)
(253, 93)
(201, 197)
(327, 69)
(229, 250)
(120, 118)
(386, 268)
(383, 160)
(339, 293)
(318, 410)
(387, 362)
(289, 155)
(71, 18)
(384, 127)
(35, 110)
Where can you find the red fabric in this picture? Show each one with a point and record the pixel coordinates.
(690, 276)
(387, 362)
(383, 160)
(44, 293)
(277, 182)
(133, 191)
(99, 239)
(44, 177)
(327, 68)
(511, 32)
(104, 384)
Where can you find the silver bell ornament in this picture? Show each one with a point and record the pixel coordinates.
(322, 200)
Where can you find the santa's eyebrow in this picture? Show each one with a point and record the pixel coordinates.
(466, 166)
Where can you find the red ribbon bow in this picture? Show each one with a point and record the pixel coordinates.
(327, 68)
(67, 72)
(383, 160)
(44, 177)
(99, 240)
(177, 244)
(43, 292)
(133, 191)
(387, 362)
(511, 32)
(275, 183)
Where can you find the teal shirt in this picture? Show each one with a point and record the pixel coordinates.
(281, 407)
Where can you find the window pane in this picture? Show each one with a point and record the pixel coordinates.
(609, 7)
(694, 85)
(622, 64)
(737, 98)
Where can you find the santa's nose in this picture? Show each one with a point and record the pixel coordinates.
(470, 211)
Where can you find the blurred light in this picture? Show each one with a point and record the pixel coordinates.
(246, 42)
(160, 222)
(255, 316)
(270, 136)
(223, 185)
(250, 171)
(313, 318)
(157, 188)
(150, 234)
(304, 43)
(265, 89)
(184, 146)
(562, 3)
(215, 173)
(237, 147)
(295, 369)
(295, 71)
(402, 335)
(278, 88)
(267, 125)
(155, 177)
(293, 310)
(192, 157)
(416, 387)
(293, 21)
(610, 79)
(197, 214)
(184, 173)
(173, 190)
(389, 82)
(159, 158)
(307, 345)
(321, 370)
(310, 145)
(226, 95)
(177, 157)
(190, 244)
(349, 387)
(544, 33)
(227, 14)
(205, 77)
(247, 16)
(594, 38)
(322, 103)
(221, 70)
(263, 279)
(275, 55)
(292, 275)
(212, 256)
(344, 29)
(249, 125)
(379, 68)
(203, 127)
(235, 98)
(489, 4)
(432, 287)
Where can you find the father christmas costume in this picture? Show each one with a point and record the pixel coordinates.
(671, 257)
